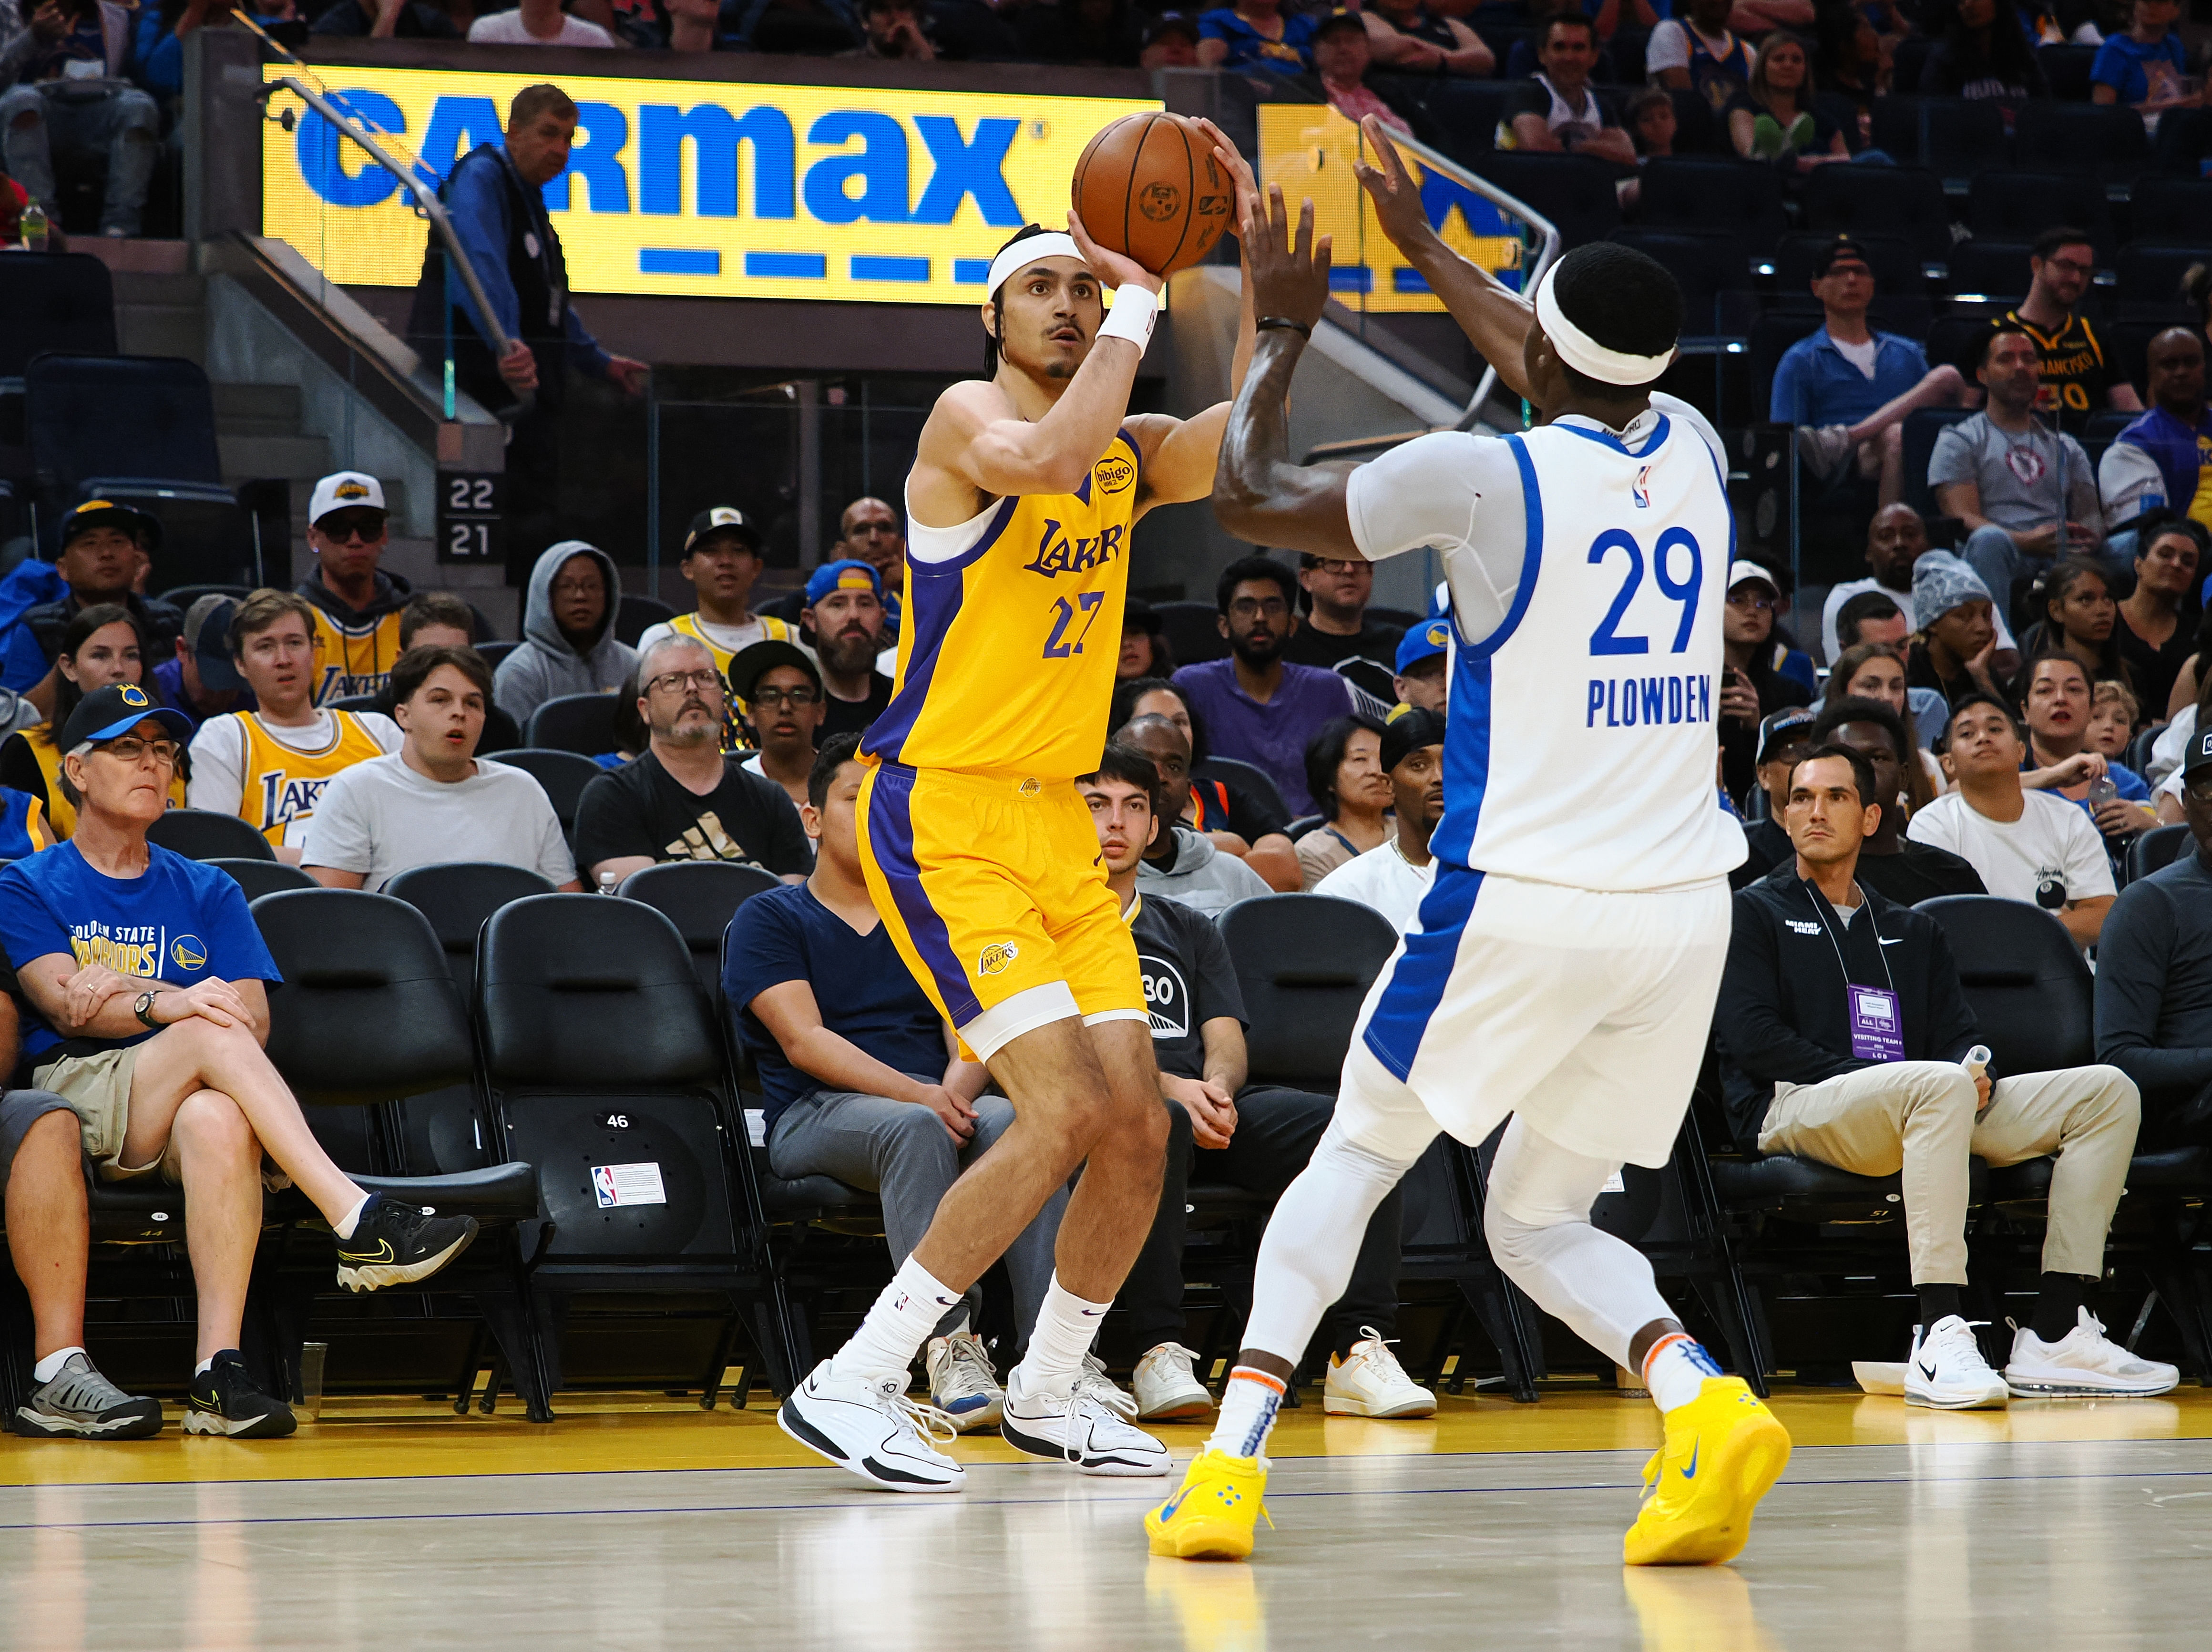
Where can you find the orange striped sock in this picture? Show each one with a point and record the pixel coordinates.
(1249, 1402)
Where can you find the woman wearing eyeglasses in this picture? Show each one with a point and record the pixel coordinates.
(568, 643)
(1754, 684)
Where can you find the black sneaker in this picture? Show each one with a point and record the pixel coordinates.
(81, 1403)
(225, 1399)
(397, 1244)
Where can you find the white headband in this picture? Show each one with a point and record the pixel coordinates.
(1053, 244)
(1584, 353)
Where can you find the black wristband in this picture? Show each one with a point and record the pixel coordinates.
(1269, 323)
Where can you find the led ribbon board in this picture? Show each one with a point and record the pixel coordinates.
(702, 188)
(1308, 149)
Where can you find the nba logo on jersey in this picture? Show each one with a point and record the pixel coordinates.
(1640, 489)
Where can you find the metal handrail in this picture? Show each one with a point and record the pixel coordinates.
(1547, 250)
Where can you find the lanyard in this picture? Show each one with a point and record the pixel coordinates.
(1827, 913)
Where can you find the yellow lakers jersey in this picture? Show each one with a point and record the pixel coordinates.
(61, 813)
(282, 785)
(734, 736)
(352, 660)
(1007, 649)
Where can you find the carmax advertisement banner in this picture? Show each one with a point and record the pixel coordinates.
(702, 188)
(1308, 149)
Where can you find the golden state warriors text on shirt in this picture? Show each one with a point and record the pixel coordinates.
(1006, 656)
(136, 951)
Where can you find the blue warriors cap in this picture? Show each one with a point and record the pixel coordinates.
(110, 713)
(1424, 639)
(850, 574)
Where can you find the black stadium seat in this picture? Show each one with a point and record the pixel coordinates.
(2148, 275)
(2067, 69)
(608, 1074)
(493, 653)
(2156, 849)
(2024, 979)
(1960, 138)
(457, 897)
(1771, 335)
(57, 304)
(582, 723)
(1921, 429)
(699, 897)
(1991, 270)
(1713, 269)
(1881, 200)
(1740, 197)
(637, 615)
(368, 1016)
(1304, 963)
(2162, 208)
(1574, 192)
(2105, 140)
(260, 877)
(564, 775)
(2019, 206)
(204, 835)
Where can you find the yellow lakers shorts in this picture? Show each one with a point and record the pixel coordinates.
(993, 892)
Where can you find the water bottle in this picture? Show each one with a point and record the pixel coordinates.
(606, 882)
(2102, 791)
(34, 227)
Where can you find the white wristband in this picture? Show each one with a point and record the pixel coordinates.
(1135, 309)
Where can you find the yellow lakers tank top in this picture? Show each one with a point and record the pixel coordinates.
(280, 784)
(61, 813)
(1006, 652)
(772, 630)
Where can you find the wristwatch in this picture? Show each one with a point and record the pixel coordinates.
(143, 1009)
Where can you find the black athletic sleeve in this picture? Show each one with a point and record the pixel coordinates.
(1248, 818)
(20, 769)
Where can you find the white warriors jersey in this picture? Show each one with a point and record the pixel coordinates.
(1589, 570)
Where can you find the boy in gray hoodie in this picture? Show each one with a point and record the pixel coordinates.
(568, 643)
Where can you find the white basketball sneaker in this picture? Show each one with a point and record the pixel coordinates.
(2084, 1362)
(1166, 1386)
(1369, 1381)
(867, 1424)
(1087, 1427)
(1946, 1370)
(964, 1384)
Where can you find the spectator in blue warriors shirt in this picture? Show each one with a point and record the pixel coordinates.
(2147, 68)
(1256, 35)
(146, 984)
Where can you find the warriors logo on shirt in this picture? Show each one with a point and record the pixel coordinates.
(189, 952)
(1167, 999)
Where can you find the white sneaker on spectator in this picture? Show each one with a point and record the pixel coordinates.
(1166, 1386)
(1369, 1381)
(1087, 1427)
(1946, 1370)
(868, 1426)
(2084, 1362)
(1824, 446)
(964, 1384)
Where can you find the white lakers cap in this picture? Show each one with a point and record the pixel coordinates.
(345, 490)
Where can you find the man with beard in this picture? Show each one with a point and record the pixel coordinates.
(1394, 876)
(845, 613)
(1256, 706)
(683, 800)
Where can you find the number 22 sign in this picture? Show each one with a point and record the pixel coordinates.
(471, 516)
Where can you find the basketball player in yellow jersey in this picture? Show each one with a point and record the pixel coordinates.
(981, 859)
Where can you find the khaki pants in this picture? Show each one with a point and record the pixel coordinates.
(1919, 1116)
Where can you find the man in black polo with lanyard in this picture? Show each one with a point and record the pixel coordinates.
(496, 197)
(1845, 1038)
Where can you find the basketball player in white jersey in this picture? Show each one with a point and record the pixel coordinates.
(1565, 965)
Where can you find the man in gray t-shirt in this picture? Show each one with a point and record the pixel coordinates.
(2026, 492)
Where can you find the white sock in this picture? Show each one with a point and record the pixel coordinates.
(344, 1225)
(1249, 1403)
(903, 1318)
(201, 1370)
(1676, 1368)
(1065, 1327)
(51, 1366)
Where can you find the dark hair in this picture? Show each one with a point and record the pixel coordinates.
(412, 670)
(1245, 569)
(994, 340)
(1567, 20)
(1126, 695)
(2010, 55)
(1848, 663)
(1854, 709)
(2059, 235)
(533, 102)
(68, 696)
(837, 752)
(2160, 524)
(2002, 330)
(432, 608)
(1325, 751)
(2045, 656)
(1631, 116)
(2197, 288)
(2054, 585)
(631, 735)
(1867, 605)
(1862, 770)
(1624, 299)
(1122, 762)
(1973, 697)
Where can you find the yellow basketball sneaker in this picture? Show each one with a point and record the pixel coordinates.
(1212, 1515)
(1723, 1450)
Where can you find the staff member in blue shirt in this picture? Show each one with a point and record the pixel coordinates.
(495, 198)
(145, 984)
(1848, 388)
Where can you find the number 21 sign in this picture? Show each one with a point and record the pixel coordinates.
(471, 516)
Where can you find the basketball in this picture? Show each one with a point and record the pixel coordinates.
(1149, 187)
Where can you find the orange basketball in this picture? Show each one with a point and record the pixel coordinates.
(1149, 186)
